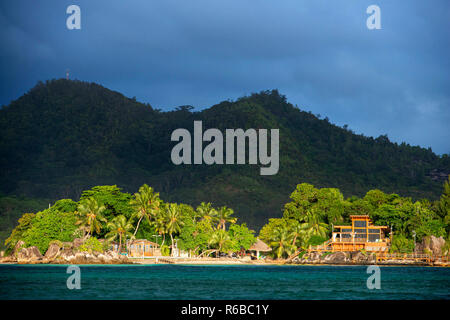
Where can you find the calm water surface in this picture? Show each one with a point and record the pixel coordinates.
(222, 282)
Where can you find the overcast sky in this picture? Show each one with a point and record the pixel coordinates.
(320, 54)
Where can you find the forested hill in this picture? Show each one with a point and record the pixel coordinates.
(65, 136)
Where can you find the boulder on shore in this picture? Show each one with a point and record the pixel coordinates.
(77, 242)
(28, 255)
(52, 251)
(431, 244)
(336, 257)
(108, 257)
(19, 245)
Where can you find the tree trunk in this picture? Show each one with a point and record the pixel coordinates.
(137, 227)
(171, 252)
(120, 243)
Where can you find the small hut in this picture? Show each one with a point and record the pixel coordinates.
(259, 246)
(143, 248)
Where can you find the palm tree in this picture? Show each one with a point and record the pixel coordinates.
(160, 223)
(174, 222)
(297, 231)
(224, 215)
(146, 203)
(219, 238)
(91, 216)
(281, 241)
(314, 226)
(119, 228)
(206, 211)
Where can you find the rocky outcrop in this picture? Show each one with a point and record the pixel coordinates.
(19, 245)
(336, 258)
(29, 255)
(77, 242)
(8, 259)
(62, 253)
(67, 245)
(431, 244)
(356, 257)
(52, 251)
(108, 257)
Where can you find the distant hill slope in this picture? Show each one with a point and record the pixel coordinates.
(65, 136)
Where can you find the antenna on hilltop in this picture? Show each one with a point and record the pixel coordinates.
(67, 74)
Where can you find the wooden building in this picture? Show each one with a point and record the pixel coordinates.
(143, 248)
(361, 234)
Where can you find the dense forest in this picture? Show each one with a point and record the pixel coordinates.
(64, 136)
(104, 214)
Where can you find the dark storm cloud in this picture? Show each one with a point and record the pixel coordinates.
(319, 53)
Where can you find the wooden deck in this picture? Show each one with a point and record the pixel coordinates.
(412, 257)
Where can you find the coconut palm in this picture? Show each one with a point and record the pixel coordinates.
(174, 222)
(146, 204)
(314, 226)
(206, 211)
(119, 228)
(160, 223)
(219, 238)
(282, 242)
(91, 219)
(224, 215)
(297, 232)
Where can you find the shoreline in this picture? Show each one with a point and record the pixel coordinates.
(223, 262)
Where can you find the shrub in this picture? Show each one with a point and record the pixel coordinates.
(91, 245)
(165, 250)
(401, 244)
(316, 240)
(49, 225)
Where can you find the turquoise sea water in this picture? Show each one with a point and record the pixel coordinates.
(222, 282)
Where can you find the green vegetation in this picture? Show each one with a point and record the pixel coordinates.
(63, 137)
(119, 229)
(309, 217)
(307, 220)
(91, 245)
(43, 227)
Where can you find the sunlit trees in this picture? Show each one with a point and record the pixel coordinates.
(91, 216)
(242, 237)
(224, 216)
(282, 242)
(146, 204)
(49, 225)
(220, 239)
(313, 225)
(119, 228)
(173, 219)
(207, 212)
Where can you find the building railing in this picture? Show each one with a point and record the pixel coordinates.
(352, 237)
(418, 257)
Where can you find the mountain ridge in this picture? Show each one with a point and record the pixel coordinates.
(65, 136)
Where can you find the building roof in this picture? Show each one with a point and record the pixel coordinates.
(360, 216)
(145, 241)
(260, 246)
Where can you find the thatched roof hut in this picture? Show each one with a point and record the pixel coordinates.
(259, 246)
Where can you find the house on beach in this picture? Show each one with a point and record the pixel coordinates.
(143, 248)
(361, 234)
